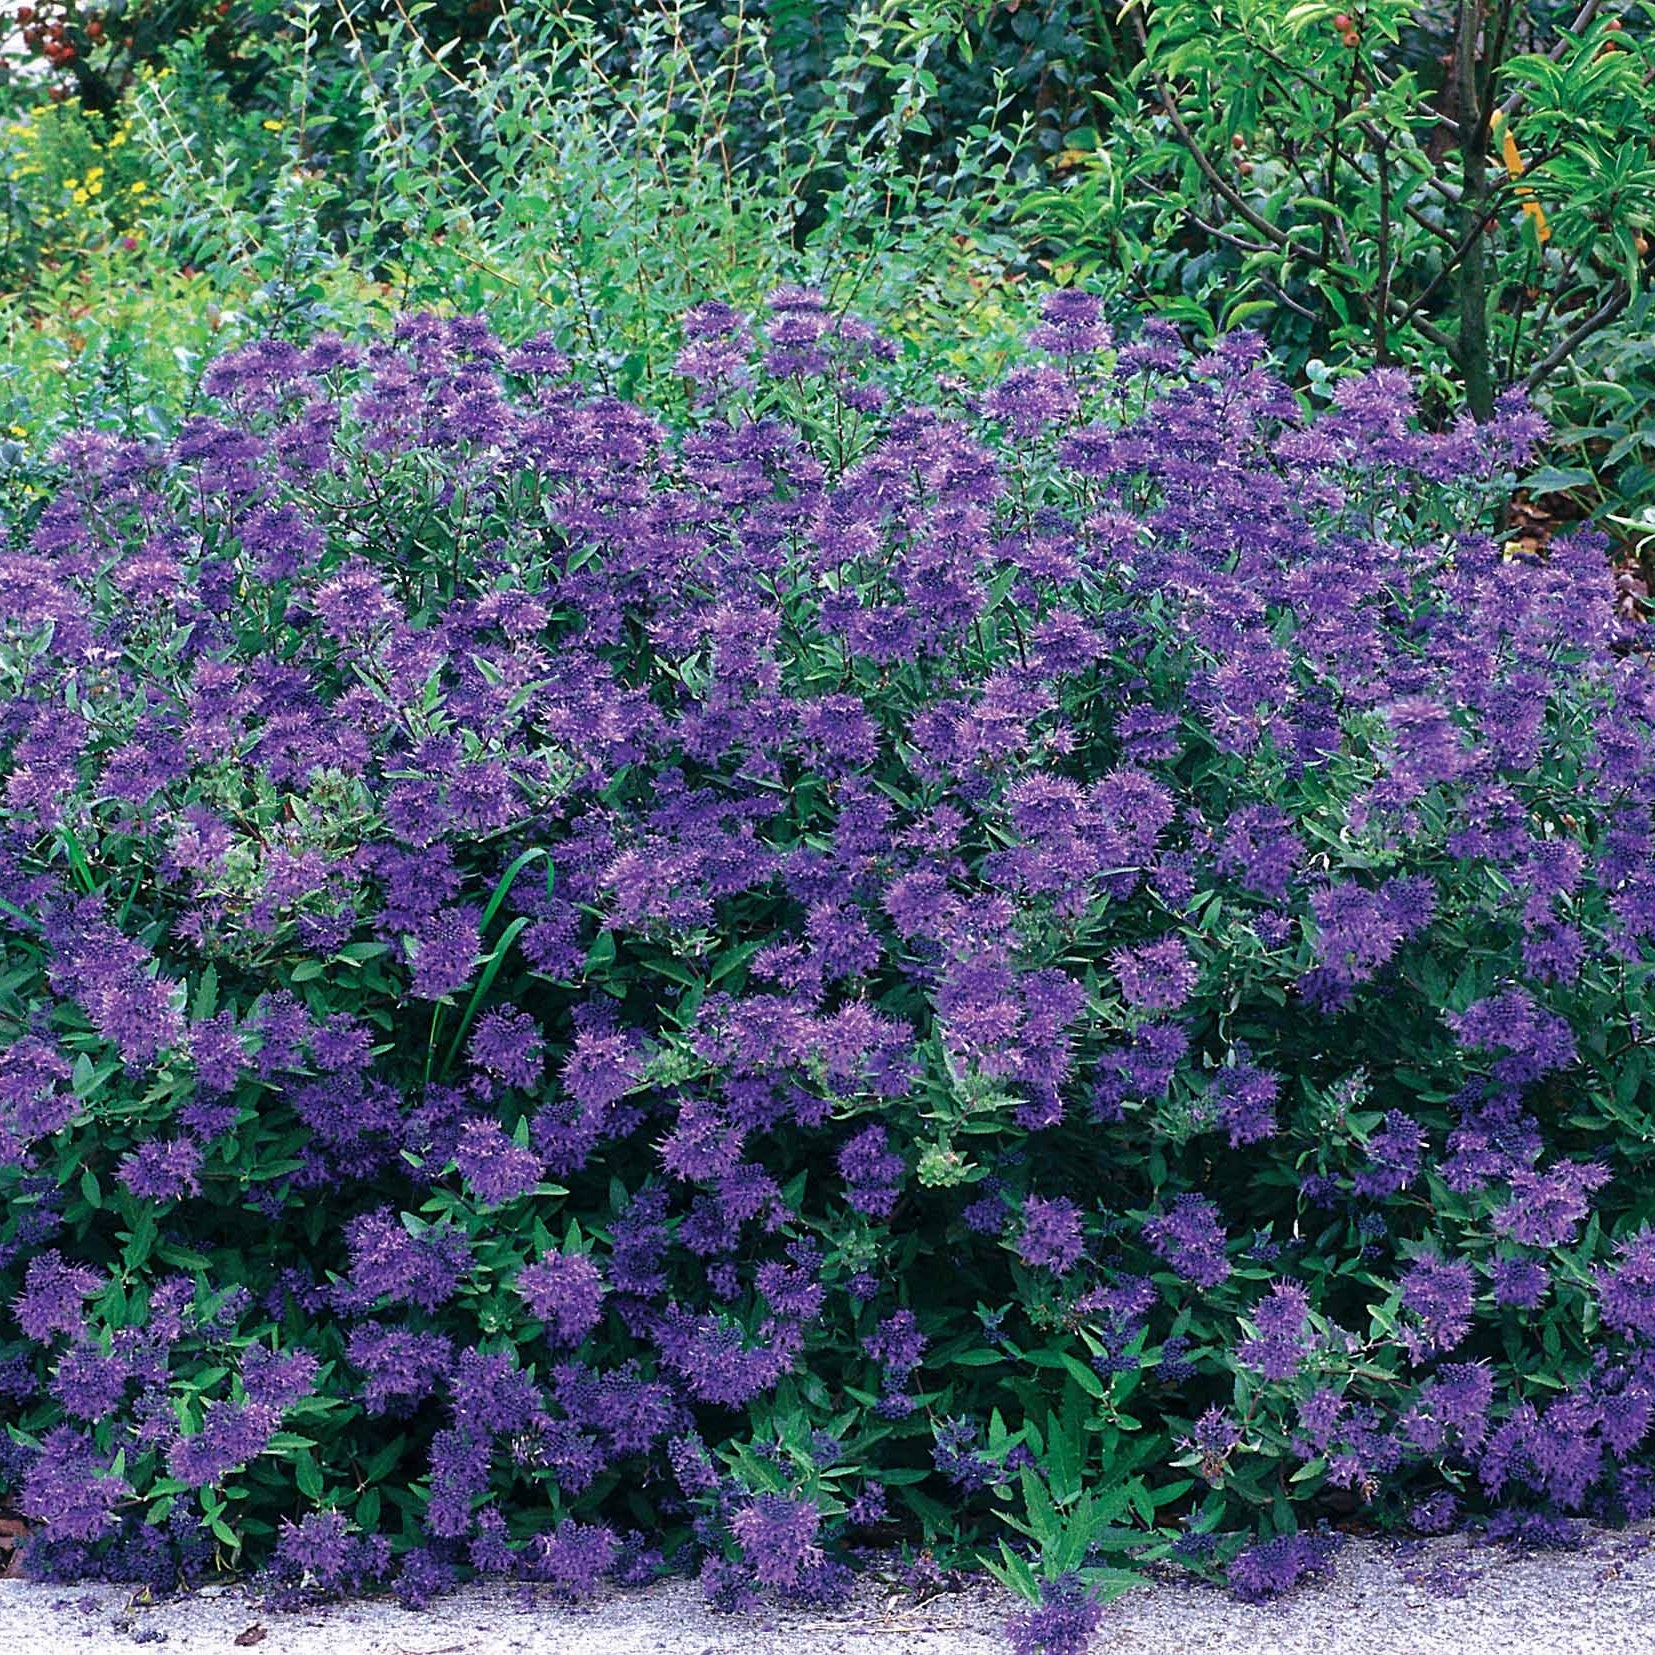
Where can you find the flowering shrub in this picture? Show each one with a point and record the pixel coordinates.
(1060, 973)
(72, 183)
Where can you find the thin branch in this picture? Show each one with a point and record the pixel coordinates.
(1583, 20)
(1463, 246)
(1571, 342)
(1287, 299)
(1249, 247)
(1495, 54)
(1561, 289)
(1276, 239)
(1373, 133)
(1265, 228)
(1382, 159)
(1431, 332)
(1375, 136)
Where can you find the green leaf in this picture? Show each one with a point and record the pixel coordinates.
(140, 1240)
(1044, 1523)
(308, 1475)
(1012, 1572)
(206, 995)
(1551, 479)
(1084, 1376)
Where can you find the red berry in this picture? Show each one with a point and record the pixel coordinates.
(1351, 38)
(94, 30)
(1342, 22)
(25, 14)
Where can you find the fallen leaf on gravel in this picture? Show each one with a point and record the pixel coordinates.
(253, 1635)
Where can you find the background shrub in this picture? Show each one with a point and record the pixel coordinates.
(320, 164)
(1467, 189)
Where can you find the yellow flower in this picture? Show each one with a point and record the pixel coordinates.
(81, 197)
(274, 126)
(137, 187)
(1514, 170)
(71, 183)
(18, 430)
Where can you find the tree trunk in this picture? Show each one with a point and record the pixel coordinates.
(1476, 368)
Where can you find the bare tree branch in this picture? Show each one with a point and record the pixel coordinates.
(1573, 340)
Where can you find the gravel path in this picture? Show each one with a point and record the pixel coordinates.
(1449, 1598)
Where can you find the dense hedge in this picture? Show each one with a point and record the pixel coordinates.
(836, 973)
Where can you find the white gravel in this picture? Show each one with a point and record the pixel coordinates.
(1599, 1600)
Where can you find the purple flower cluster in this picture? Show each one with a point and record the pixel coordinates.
(1241, 1099)
(1159, 976)
(678, 955)
(1280, 1346)
(1191, 1241)
(34, 1102)
(1276, 1566)
(1052, 1237)
(53, 1296)
(320, 1557)
(1440, 1294)
(565, 1291)
(573, 1558)
(1063, 1623)
(777, 1537)
(71, 1488)
(231, 1434)
(1535, 1041)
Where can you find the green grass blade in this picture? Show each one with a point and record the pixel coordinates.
(77, 859)
(490, 971)
(507, 879)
